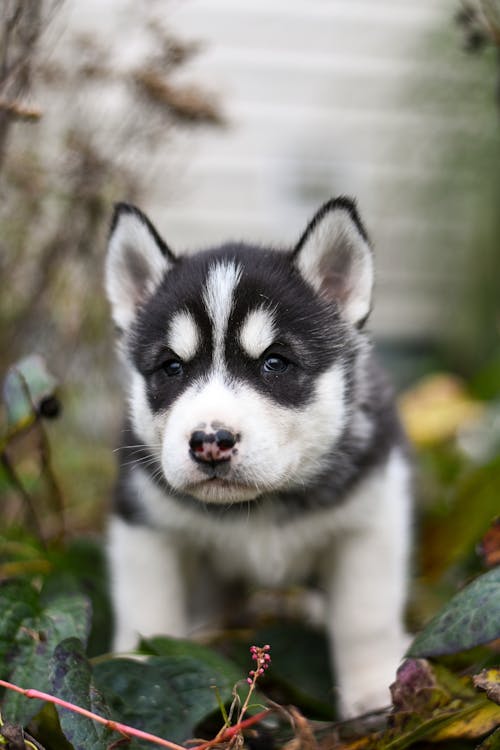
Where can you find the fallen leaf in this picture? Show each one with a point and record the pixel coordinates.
(434, 409)
(489, 681)
(489, 549)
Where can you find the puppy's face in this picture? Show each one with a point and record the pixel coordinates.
(239, 357)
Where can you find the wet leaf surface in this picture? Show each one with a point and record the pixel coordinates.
(70, 678)
(471, 618)
(169, 693)
(29, 633)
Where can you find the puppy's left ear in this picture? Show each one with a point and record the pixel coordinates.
(137, 261)
(335, 257)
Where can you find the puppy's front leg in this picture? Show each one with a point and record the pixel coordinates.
(366, 581)
(146, 582)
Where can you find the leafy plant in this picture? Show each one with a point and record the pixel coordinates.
(54, 631)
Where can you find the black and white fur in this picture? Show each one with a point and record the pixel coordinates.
(262, 442)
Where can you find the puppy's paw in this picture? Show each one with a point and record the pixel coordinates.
(365, 686)
(365, 699)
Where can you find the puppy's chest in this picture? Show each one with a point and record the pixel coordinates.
(254, 546)
(263, 552)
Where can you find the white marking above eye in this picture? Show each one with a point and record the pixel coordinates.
(222, 280)
(257, 332)
(183, 335)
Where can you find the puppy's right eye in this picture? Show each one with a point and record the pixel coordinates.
(274, 363)
(172, 367)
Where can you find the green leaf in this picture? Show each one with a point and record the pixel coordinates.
(18, 603)
(46, 727)
(167, 695)
(28, 383)
(492, 742)
(471, 618)
(71, 679)
(28, 636)
(81, 567)
(449, 538)
(178, 648)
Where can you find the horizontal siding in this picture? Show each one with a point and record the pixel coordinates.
(321, 97)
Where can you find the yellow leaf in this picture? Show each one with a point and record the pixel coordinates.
(481, 720)
(434, 409)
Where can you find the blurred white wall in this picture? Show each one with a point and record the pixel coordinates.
(318, 100)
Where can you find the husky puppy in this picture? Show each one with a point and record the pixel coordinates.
(262, 441)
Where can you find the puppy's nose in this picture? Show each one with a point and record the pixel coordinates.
(212, 447)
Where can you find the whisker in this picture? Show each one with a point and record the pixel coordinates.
(148, 446)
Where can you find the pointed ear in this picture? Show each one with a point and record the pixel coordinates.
(335, 257)
(136, 262)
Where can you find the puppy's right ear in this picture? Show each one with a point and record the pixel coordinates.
(137, 260)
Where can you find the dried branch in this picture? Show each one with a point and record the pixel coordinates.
(19, 112)
(19, 34)
(19, 487)
(188, 104)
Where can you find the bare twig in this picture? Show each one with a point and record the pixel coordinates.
(188, 104)
(55, 490)
(18, 39)
(17, 484)
(19, 112)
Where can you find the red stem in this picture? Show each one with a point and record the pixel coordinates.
(124, 728)
(229, 732)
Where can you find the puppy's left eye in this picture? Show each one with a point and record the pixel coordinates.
(274, 363)
(172, 367)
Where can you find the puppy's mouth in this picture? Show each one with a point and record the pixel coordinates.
(222, 491)
(215, 471)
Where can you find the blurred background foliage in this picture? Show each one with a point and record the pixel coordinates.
(60, 174)
(61, 170)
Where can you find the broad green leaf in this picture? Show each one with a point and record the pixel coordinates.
(471, 618)
(70, 678)
(178, 648)
(30, 658)
(81, 567)
(18, 603)
(46, 727)
(166, 695)
(29, 642)
(27, 384)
